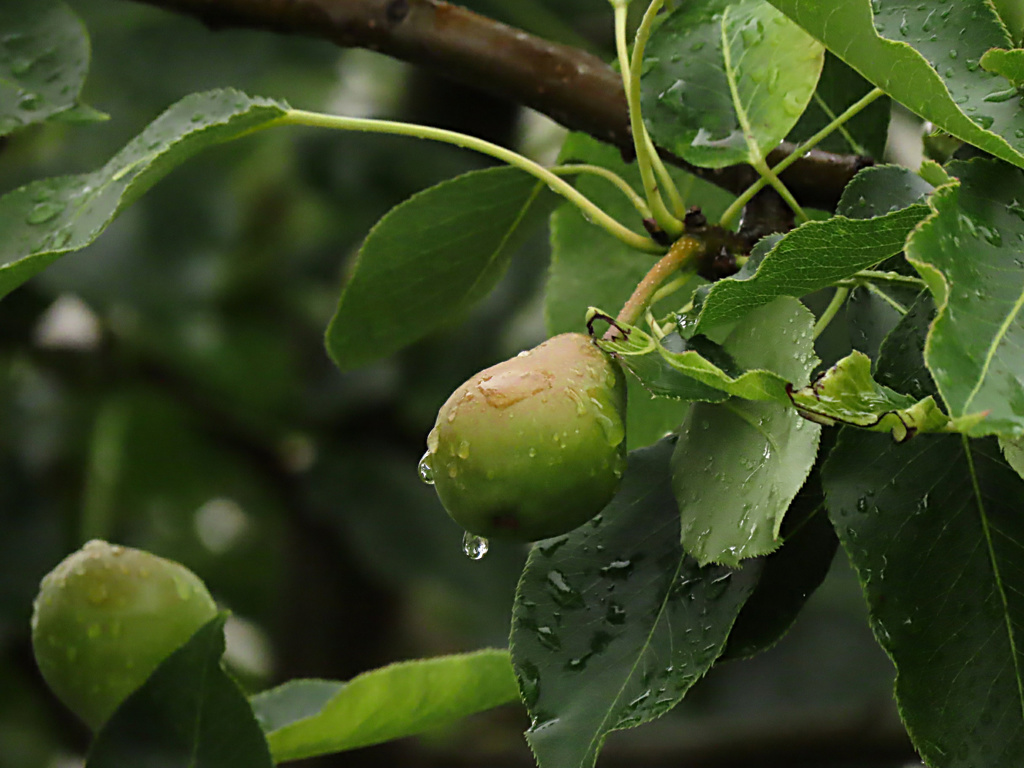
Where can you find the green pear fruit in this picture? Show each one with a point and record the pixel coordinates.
(532, 447)
(106, 617)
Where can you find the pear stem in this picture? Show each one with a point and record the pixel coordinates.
(683, 255)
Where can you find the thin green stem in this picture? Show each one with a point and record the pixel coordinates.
(670, 287)
(851, 142)
(620, 13)
(767, 173)
(634, 198)
(683, 255)
(831, 310)
(558, 185)
(886, 298)
(734, 210)
(665, 178)
(641, 142)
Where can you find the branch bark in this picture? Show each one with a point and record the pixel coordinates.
(569, 85)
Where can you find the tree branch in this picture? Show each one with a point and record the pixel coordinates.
(569, 85)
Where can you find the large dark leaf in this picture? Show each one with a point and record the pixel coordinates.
(613, 623)
(933, 527)
(188, 714)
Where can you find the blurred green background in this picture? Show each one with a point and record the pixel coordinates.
(167, 388)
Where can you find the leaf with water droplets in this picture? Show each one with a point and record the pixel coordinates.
(934, 529)
(927, 57)
(46, 219)
(872, 227)
(725, 81)
(969, 252)
(738, 465)
(613, 623)
(44, 57)
(305, 718)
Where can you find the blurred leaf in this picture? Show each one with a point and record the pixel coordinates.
(847, 394)
(968, 252)
(613, 623)
(928, 60)
(839, 88)
(44, 57)
(189, 713)
(764, 366)
(1009, 64)
(726, 80)
(1013, 452)
(398, 700)
(431, 258)
(738, 465)
(46, 219)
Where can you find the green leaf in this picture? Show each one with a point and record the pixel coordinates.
(847, 394)
(46, 219)
(189, 713)
(613, 623)
(839, 88)
(940, 509)
(968, 252)
(44, 57)
(1009, 64)
(431, 258)
(1013, 452)
(790, 575)
(591, 268)
(927, 59)
(736, 468)
(725, 81)
(660, 378)
(811, 257)
(772, 346)
(304, 719)
(738, 465)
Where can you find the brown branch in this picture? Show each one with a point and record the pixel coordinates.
(569, 85)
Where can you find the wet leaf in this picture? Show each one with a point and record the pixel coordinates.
(46, 219)
(431, 258)
(819, 253)
(737, 466)
(613, 623)
(725, 81)
(44, 57)
(969, 253)
(928, 59)
(305, 718)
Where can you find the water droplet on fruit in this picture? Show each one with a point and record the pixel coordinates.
(474, 547)
(426, 471)
(463, 451)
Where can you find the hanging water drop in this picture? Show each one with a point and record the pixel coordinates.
(474, 547)
(425, 469)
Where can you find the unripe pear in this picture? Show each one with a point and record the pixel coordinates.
(106, 617)
(532, 447)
